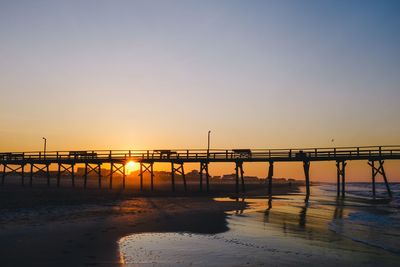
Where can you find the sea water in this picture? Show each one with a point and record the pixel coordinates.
(374, 223)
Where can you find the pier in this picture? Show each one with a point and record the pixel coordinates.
(116, 160)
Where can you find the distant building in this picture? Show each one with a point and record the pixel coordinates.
(232, 177)
(228, 177)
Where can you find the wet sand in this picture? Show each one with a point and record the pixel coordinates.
(70, 227)
(285, 232)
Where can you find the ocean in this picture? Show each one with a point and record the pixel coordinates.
(375, 223)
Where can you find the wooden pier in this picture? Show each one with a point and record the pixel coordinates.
(66, 161)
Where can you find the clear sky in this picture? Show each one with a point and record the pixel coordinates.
(160, 74)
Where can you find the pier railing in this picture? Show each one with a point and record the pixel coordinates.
(39, 162)
(298, 154)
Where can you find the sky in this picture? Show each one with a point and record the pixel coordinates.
(159, 74)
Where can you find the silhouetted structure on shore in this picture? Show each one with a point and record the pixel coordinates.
(66, 161)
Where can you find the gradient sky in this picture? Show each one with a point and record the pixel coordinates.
(160, 74)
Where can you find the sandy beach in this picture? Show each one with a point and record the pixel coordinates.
(72, 227)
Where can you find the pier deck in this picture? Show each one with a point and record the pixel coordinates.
(16, 162)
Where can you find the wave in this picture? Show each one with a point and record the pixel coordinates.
(376, 224)
(371, 229)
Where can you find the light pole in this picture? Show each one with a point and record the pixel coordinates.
(208, 145)
(45, 143)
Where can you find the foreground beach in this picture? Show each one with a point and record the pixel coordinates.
(75, 227)
(48, 227)
(64, 227)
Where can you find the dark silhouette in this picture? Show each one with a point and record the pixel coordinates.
(40, 162)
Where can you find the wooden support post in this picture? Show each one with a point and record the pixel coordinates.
(183, 177)
(99, 174)
(207, 178)
(242, 177)
(384, 178)
(204, 167)
(3, 174)
(341, 173)
(306, 166)
(48, 174)
(179, 170)
(373, 178)
(270, 175)
(64, 168)
(141, 176)
(146, 167)
(237, 177)
(85, 176)
(173, 176)
(201, 176)
(73, 174)
(380, 170)
(31, 176)
(151, 177)
(123, 176)
(58, 174)
(343, 179)
(111, 174)
(23, 174)
(338, 178)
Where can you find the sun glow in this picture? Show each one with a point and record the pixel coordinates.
(131, 166)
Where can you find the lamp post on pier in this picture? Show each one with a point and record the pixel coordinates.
(44, 145)
(208, 145)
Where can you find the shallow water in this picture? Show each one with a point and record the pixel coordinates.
(283, 231)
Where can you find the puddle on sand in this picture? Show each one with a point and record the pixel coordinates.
(186, 249)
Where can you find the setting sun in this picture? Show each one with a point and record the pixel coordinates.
(131, 166)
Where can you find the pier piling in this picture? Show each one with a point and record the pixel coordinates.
(179, 170)
(141, 176)
(380, 170)
(341, 175)
(237, 178)
(3, 175)
(204, 167)
(85, 176)
(146, 167)
(99, 174)
(173, 176)
(306, 166)
(73, 175)
(31, 176)
(123, 176)
(23, 174)
(270, 175)
(58, 174)
(239, 175)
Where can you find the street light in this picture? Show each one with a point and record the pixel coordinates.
(45, 143)
(208, 144)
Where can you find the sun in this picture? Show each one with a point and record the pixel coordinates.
(131, 166)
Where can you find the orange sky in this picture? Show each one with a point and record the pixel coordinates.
(258, 74)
